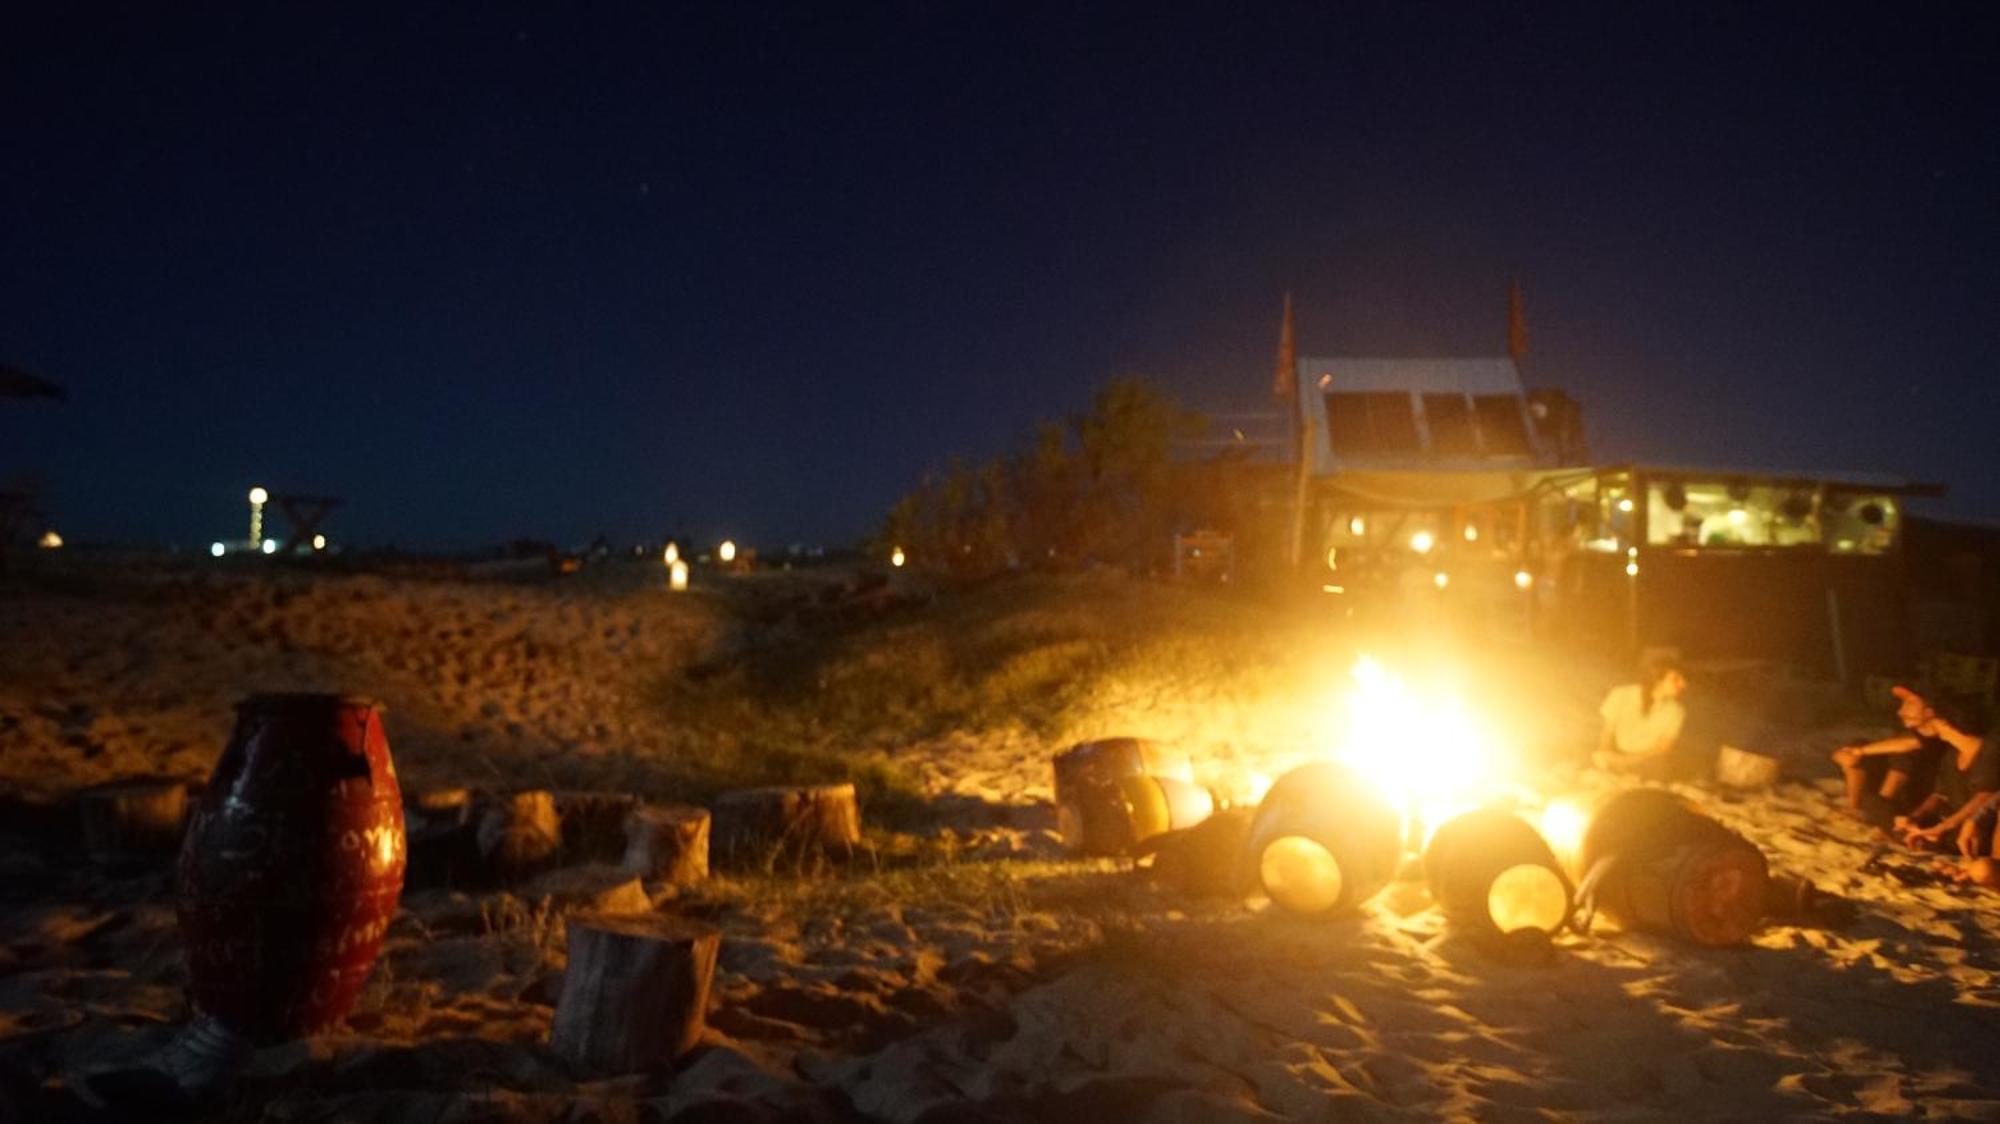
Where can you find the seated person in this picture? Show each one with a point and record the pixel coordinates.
(1643, 720)
(1890, 776)
(1968, 786)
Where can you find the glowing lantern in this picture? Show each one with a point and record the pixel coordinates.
(896, 558)
(1422, 542)
(216, 550)
(671, 555)
(270, 546)
(727, 551)
(1523, 580)
(677, 576)
(319, 542)
(50, 540)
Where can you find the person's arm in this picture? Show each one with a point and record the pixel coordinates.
(1972, 807)
(1901, 743)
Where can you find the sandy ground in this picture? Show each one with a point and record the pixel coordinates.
(971, 974)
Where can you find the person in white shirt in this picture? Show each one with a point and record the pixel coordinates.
(1643, 720)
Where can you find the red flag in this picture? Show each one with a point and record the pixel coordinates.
(1517, 323)
(1285, 383)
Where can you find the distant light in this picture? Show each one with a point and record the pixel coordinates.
(1631, 552)
(259, 495)
(270, 546)
(896, 557)
(1523, 579)
(677, 575)
(1422, 542)
(1631, 569)
(1625, 505)
(319, 542)
(1471, 533)
(50, 540)
(1738, 516)
(727, 551)
(672, 554)
(1333, 589)
(1441, 578)
(1333, 558)
(1357, 526)
(217, 550)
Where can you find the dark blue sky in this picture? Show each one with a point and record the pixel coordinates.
(491, 272)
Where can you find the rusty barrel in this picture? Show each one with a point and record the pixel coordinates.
(1323, 840)
(1671, 869)
(1492, 874)
(292, 865)
(1093, 809)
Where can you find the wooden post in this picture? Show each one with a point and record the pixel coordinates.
(668, 844)
(132, 819)
(635, 993)
(799, 820)
(521, 835)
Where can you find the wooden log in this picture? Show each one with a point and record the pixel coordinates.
(635, 992)
(132, 820)
(440, 806)
(802, 820)
(668, 844)
(592, 888)
(521, 835)
(593, 825)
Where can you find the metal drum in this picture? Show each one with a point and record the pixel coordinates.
(292, 865)
(1323, 840)
(1093, 812)
(1659, 864)
(1492, 874)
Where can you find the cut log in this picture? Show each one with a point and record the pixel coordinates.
(441, 806)
(132, 820)
(520, 836)
(635, 993)
(806, 820)
(593, 825)
(593, 888)
(668, 844)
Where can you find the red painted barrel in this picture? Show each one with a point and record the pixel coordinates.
(292, 865)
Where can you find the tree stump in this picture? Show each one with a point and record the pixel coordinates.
(132, 820)
(521, 835)
(593, 825)
(668, 844)
(799, 821)
(635, 994)
(441, 806)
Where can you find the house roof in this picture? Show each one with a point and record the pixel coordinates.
(1429, 414)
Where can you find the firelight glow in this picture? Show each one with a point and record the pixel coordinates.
(671, 555)
(727, 551)
(1421, 750)
(1422, 542)
(1523, 580)
(896, 557)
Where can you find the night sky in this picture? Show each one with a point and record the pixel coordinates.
(492, 272)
